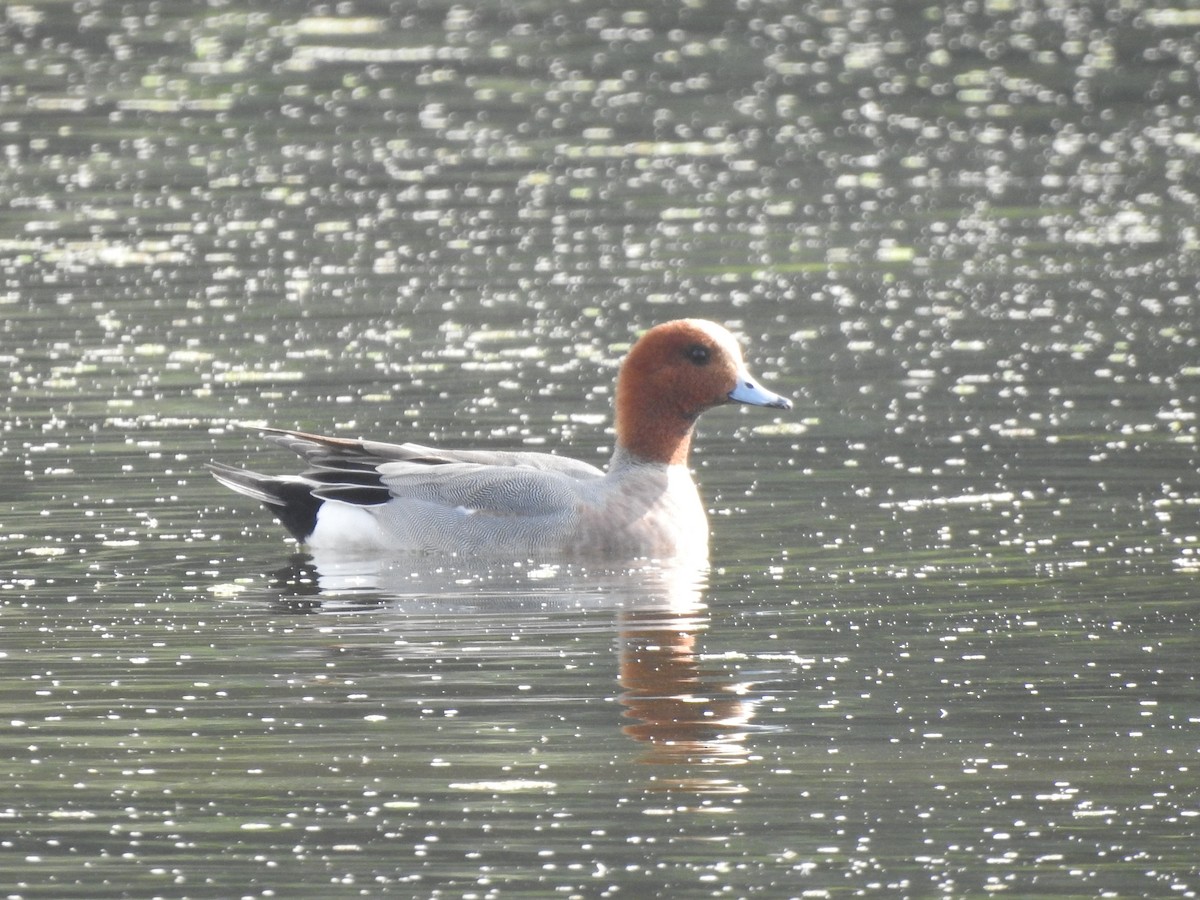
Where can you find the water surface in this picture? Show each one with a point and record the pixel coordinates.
(944, 648)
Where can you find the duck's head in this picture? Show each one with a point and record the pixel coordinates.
(674, 372)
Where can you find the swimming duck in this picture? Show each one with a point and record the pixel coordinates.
(362, 497)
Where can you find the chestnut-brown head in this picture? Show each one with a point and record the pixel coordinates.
(675, 372)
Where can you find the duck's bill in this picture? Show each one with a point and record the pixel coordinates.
(750, 391)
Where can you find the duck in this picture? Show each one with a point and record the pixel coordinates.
(364, 497)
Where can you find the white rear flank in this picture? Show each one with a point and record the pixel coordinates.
(347, 529)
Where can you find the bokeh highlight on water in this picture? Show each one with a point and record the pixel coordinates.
(945, 646)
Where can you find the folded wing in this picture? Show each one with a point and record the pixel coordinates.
(496, 483)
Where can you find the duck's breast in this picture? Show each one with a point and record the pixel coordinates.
(645, 510)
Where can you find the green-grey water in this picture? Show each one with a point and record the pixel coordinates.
(945, 647)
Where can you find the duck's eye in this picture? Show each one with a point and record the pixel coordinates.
(698, 354)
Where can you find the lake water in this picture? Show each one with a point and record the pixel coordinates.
(946, 646)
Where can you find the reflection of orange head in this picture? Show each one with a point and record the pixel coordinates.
(681, 714)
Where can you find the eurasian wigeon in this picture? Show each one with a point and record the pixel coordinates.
(362, 497)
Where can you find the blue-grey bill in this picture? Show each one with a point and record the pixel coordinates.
(750, 391)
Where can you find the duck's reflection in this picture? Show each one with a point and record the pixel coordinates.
(684, 714)
(692, 721)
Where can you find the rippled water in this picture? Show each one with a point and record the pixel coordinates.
(945, 647)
